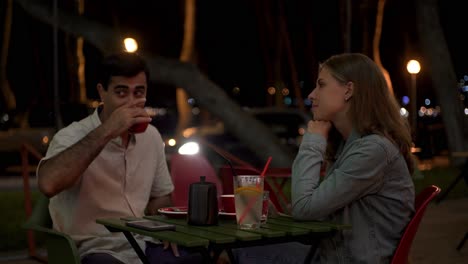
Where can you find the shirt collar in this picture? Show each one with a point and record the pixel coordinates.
(344, 144)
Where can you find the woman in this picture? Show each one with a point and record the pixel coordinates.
(358, 133)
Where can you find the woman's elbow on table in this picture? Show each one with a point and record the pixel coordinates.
(307, 212)
(300, 211)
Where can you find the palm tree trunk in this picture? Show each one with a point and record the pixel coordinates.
(290, 57)
(58, 114)
(439, 64)
(83, 98)
(376, 42)
(9, 96)
(186, 55)
(348, 18)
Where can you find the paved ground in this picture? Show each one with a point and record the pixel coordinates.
(442, 227)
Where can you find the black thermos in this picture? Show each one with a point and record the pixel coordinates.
(203, 203)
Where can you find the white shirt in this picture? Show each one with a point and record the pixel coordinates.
(119, 182)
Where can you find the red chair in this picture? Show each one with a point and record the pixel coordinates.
(420, 204)
(187, 169)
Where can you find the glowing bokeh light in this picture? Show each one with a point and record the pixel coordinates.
(130, 45)
(271, 90)
(405, 100)
(413, 66)
(404, 112)
(189, 148)
(171, 142)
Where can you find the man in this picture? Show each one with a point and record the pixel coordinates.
(96, 168)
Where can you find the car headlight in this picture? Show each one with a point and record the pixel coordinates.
(189, 148)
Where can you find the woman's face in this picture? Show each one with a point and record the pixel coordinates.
(329, 98)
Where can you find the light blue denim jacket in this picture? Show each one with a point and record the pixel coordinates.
(368, 186)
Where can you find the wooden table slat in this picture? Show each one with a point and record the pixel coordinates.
(290, 230)
(310, 224)
(262, 231)
(239, 234)
(171, 236)
(213, 237)
(183, 227)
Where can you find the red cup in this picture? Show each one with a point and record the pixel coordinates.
(141, 127)
(227, 202)
(138, 128)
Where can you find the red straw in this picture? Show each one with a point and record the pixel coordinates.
(266, 167)
(252, 201)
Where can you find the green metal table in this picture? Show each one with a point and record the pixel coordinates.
(210, 241)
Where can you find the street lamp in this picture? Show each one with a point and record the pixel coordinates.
(413, 68)
(130, 45)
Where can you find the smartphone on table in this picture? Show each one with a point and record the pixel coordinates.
(150, 225)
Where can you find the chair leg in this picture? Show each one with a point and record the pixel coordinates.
(462, 242)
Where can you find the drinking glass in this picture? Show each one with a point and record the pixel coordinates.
(265, 205)
(141, 127)
(248, 196)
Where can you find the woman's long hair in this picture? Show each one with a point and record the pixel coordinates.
(373, 109)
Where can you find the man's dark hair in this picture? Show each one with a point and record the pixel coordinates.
(121, 64)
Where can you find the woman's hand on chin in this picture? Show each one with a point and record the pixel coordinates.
(320, 127)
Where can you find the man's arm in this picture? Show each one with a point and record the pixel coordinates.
(158, 202)
(63, 170)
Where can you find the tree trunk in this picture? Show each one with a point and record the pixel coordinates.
(376, 42)
(83, 97)
(58, 114)
(76, 62)
(245, 127)
(290, 57)
(348, 20)
(186, 55)
(261, 13)
(272, 46)
(439, 64)
(8, 95)
(364, 22)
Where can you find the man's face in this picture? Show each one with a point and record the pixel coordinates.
(121, 90)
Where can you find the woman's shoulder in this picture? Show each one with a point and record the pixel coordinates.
(379, 142)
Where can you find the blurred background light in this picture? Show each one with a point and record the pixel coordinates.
(171, 142)
(271, 90)
(130, 45)
(404, 112)
(189, 148)
(405, 100)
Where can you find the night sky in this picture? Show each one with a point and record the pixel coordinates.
(231, 44)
